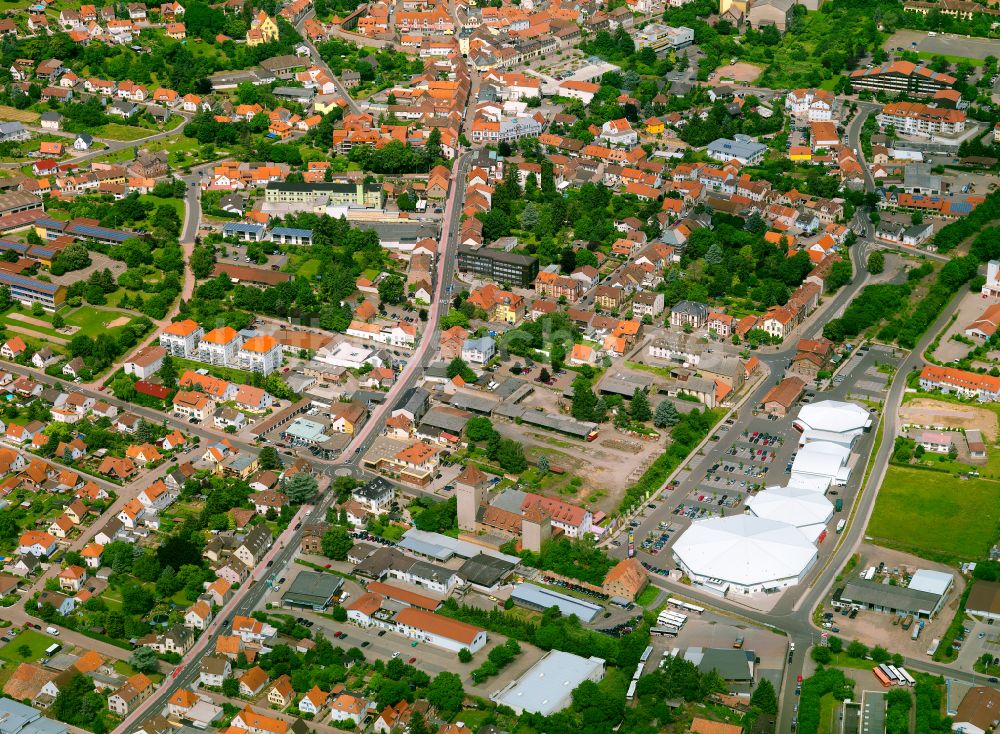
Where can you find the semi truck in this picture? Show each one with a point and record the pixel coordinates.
(905, 624)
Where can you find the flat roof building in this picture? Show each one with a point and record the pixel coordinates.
(540, 599)
(312, 590)
(888, 599)
(547, 686)
(984, 600)
(503, 267)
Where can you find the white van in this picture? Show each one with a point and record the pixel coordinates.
(52, 631)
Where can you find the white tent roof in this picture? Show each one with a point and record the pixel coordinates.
(834, 415)
(745, 550)
(821, 458)
(810, 482)
(934, 582)
(794, 505)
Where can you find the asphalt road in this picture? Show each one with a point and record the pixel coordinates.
(250, 596)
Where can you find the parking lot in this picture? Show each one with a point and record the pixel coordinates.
(749, 454)
(946, 44)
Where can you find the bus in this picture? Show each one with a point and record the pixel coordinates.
(909, 678)
(670, 613)
(645, 654)
(631, 691)
(664, 631)
(670, 621)
(678, 604)
(52, 649)
(882, 677)
(890, 673)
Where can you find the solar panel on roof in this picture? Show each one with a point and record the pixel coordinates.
(28, 283)
(88, 230)
(15, 246)
(292, 232)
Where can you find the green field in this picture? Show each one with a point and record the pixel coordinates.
(936, 515)
(114, 131)
(35, 640)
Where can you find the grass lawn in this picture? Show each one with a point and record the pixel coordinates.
(114, 131)
(180, 599)
(308, 269)
(93, 321)
(240, 377)
(827, 717)
(648, 596)
(12, 113)
(156, 201)
(951, 59)
(35, 640)
(936, 515)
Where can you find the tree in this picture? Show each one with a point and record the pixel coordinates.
(301, 488)
(143, 660)
(764, 697)
(391, 290)
(880, 654)
(511, 456)
(479, 428)
(24, 651)
(136, 599)
(640, 406)
(876, 262)
(584, 400)
(543, 464)
(230, 687)
(857, 650)
(821, 655)
(666, 415)
(544, 375)
(446, 693)
(268, 458)
(458, 368)
(464, 655)
(835, 644)
(336, 543)
(339, 614)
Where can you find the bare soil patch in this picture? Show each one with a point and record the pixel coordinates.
(930, 413)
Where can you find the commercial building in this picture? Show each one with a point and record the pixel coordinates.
(312, 590)
(539, 598)
(743, 554)
(832, 420)
(922, 600)
(780, 398)
(321, 195)
(15, 202)
(434, 629)
(979, 711)
(17, 718)
(913, 118)
(504, 267)
(984, 601)
(741, 148)
(547, 686)
(807, 510)
(819, 464)
(901, 76)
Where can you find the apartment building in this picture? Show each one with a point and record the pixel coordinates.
(220, 347)
(913, 118)
(181, 338)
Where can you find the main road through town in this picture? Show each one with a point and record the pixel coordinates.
(249, 596)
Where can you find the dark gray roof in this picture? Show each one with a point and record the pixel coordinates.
(485, 570)
(314, 589)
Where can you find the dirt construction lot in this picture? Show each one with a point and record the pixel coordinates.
(740, 72)
(929, 413)
(873, 628)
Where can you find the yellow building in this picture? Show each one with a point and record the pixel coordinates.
(655, 126)
(263, 29)
(800, 153)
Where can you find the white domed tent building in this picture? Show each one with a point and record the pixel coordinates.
(807, 510)
(819, 464)
(833, 421)
(743, 554)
